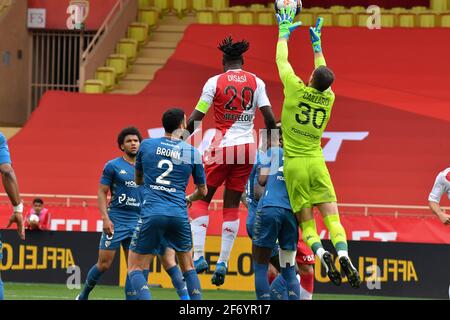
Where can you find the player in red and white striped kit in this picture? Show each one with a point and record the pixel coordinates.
(441, 186)
(234, 95)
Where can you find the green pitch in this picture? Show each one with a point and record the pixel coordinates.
(21, 291)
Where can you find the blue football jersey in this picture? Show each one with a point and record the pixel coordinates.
(125, 202)
(4, 150)
(167, 166)
(275, 193)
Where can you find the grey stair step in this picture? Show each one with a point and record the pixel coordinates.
(154, 61)
(161, 44)
(171, 28)
(156, 52)
(147, 69)
(138, 77)
(161, 36)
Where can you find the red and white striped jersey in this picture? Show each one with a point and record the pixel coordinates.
(235, 96)
(441, 186)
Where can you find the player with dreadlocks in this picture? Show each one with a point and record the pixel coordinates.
(234, 95)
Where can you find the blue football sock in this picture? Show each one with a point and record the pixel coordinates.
(261, 282)
(292, 284)
(146, 272)
(178, 282)
(278, 289)
(130, 293)
(91, 280)
(2, 297)
(193, 285)
(139, 284)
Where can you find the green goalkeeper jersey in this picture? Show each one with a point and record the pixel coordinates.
(306, 111)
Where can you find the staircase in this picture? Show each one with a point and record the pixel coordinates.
(162, 43)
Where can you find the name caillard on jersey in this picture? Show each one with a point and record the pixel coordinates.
(235, 95)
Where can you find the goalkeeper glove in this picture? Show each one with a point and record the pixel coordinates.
(285, 25)
(316, 35)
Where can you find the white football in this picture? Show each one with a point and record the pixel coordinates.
(34, 218)
(293, 4)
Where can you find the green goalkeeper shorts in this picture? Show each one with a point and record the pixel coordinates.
(308, 182)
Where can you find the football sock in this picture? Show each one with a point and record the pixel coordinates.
(178, 282)
(230, 228)
(139, 284)
(292, 285)
(306, 286)
(278, 289)
(310, 236)
(2, 297)
(130, 293)
(193, 284)
(199, 226)
(337, 232)
(261, 282)
(92, 278)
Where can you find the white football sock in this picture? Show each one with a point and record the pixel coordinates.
(342, 253)
(304, 294)
(199, 227)
(229, 233)
(320, 253)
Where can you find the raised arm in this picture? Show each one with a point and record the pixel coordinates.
(316, 40)
(285, 27)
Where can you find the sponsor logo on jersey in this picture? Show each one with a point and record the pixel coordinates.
(131, 184)
(306, 134)
(162, 188)
(122, 172)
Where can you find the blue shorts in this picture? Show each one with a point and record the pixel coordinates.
(122, 236)
(272, 223)
(157, 232)
(249, 225)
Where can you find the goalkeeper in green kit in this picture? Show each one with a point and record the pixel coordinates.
(305, 115)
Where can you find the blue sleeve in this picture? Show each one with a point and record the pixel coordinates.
(107, 175)
(138, 163)
(4, 150)
(199, 171)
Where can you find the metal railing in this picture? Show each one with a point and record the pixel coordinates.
(344, 208)
(103, 29)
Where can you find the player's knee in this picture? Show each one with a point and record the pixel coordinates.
(230, 214)
(305, 269)
(287, 258)
(104, 265)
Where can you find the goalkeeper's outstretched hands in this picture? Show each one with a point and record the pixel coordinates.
(316, 35)
(285, 25)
